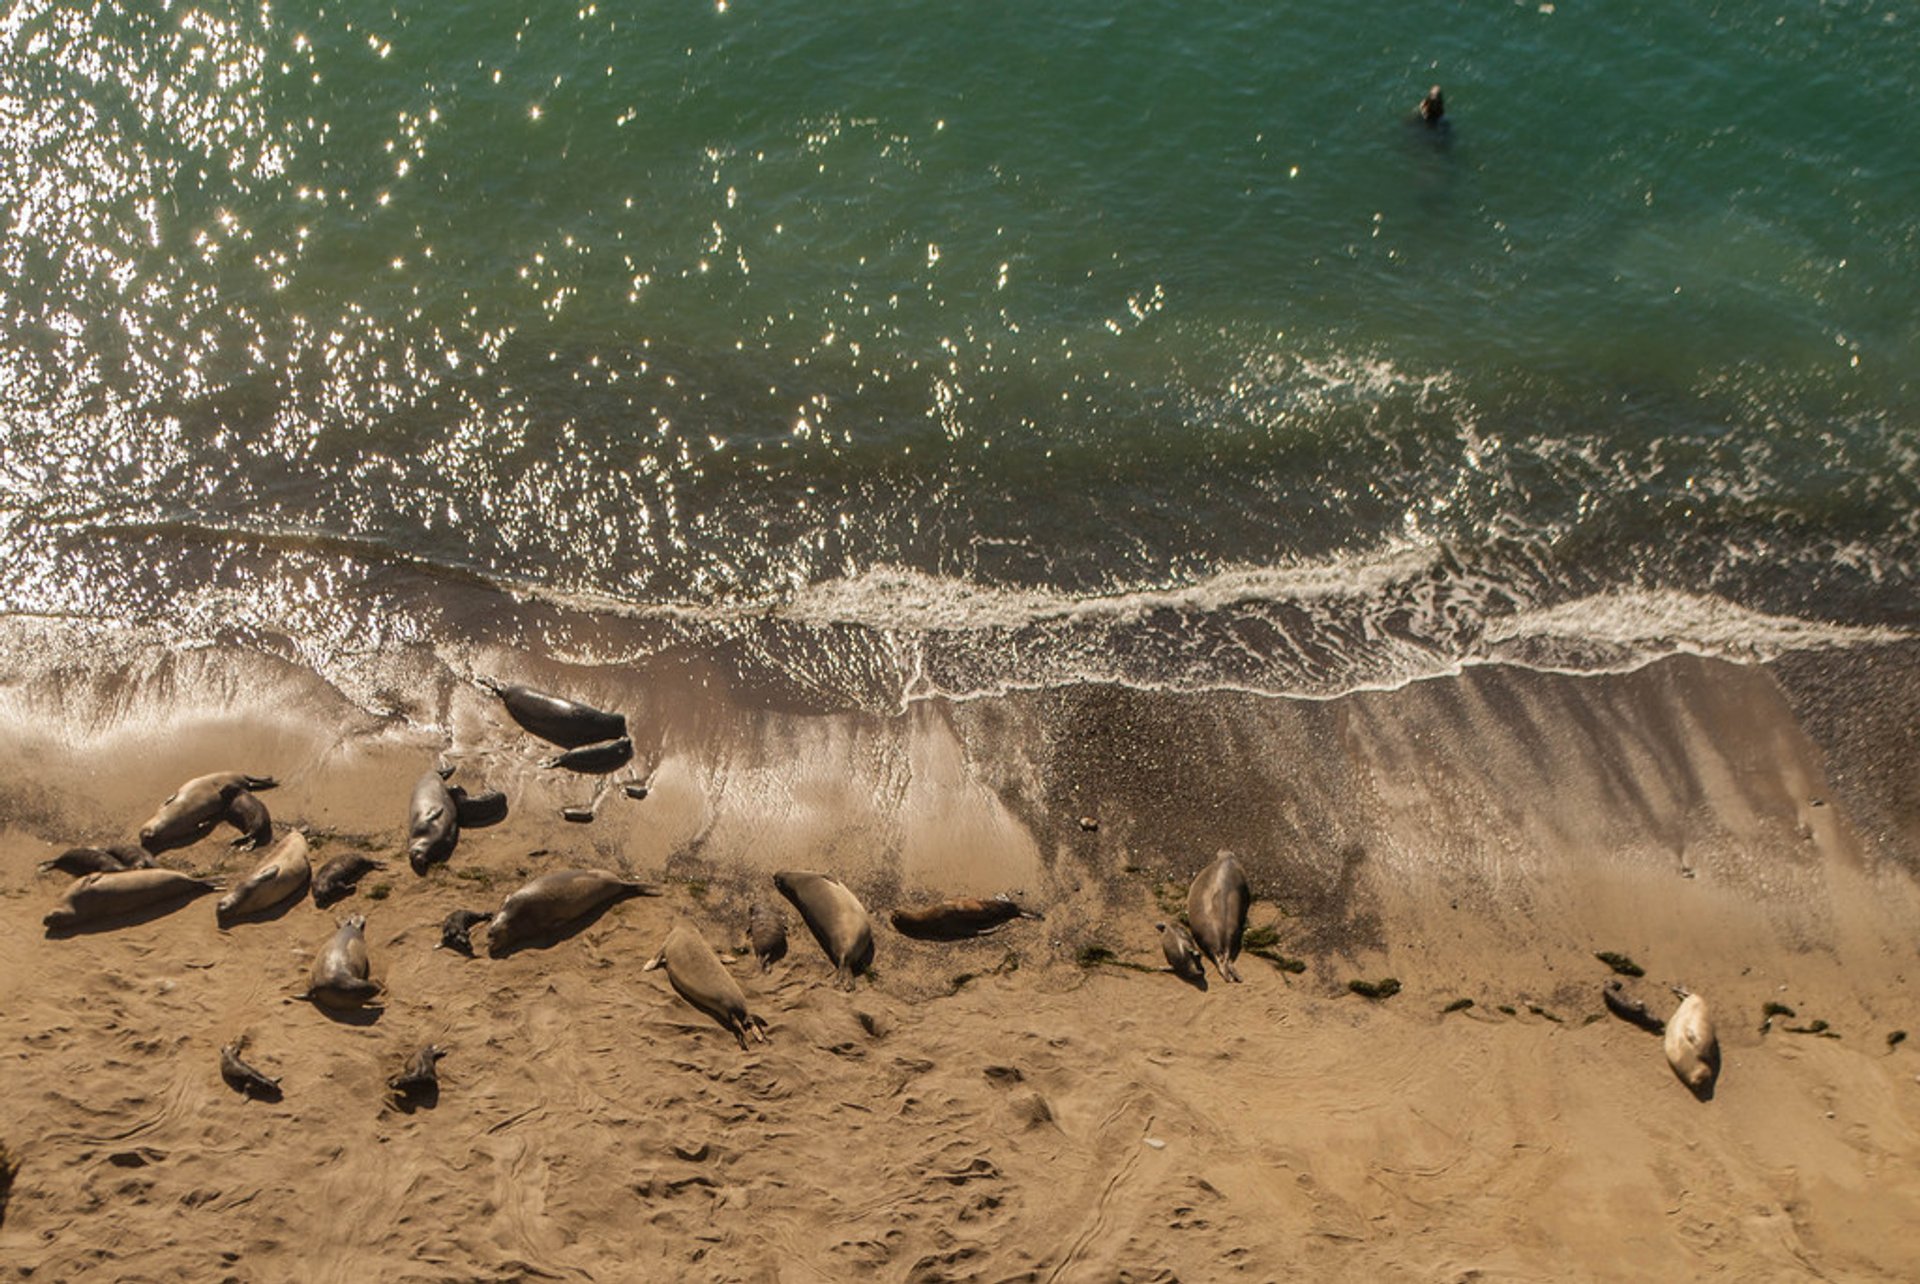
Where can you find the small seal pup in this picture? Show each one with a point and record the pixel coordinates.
(109, 895)
(1630, 1008)
(1693, 1050)
(562, 721)
(954, 920)
(702, 980)
(433, 822)
(552, 901)
(836, 918)
(192, 810)
(98, 860)
(454, 930)
(1217, 910)
(419, 1079)
(766, 933)
(597, 758)
(1183, 956)
(283, 873)
(243, 1078)
(339, 876)
(338, 979)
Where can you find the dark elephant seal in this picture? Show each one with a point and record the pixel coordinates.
(1217, 912)
(193, 809)
(1692, 1047)
(954, 920)
(1183, 956)
(603, 756)
(338, 876)
(338, 979)
(564, 722)
(243, 1078)
(552, 901)
(248, 814)
(836, 918)
(283, 873)
(488, 807)
(766, 933)
(420, 1077)
(1630, 1008)
(98, 860)
(702, 980)
(433, 822)
(456, 927)
(109, 895)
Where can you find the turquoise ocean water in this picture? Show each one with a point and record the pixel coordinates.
(888, 350)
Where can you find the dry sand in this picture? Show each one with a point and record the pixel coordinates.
(997, 1110)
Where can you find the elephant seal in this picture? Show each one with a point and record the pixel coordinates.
(603, 756)
(420, 1077)
(562, 721)
(128, 891)
(836, 918)
(1630, 1008)
(98, 860)
(338, 876)
(955, 920)
(1217, 912)
(1693, 1050)
(766, 933)
(283, 873)
(193, 809)
(338, 979)
(1183, 956)
(243, 1078)
(552, 901)
(702, 980)
(433, 822)
(488, 807)
(248, 814)
(455, 928)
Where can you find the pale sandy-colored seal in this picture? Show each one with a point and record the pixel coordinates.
(193, 809)
(98, 860)
(338, 979)
(1217, 912)
(433, 823)
(243, 1078)
(766, 933)
(1183, 956)
(552, 901)
(702, 980)
(283, 873)
(957, 919)
(564, 722)
(338, 876)
(108, 895)
(836, 918)
(1693, 1050)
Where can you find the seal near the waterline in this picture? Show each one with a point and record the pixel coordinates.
(338, 979)
(246, 813)
(957, 919)
(433, 822)
(836, 918)
(1183, 956)
(564, 722)
(766, 933)
(108, 895)
(702, 980)
(243, 1078)
(80, 861)
(282, 874)
(553, 901)
(193, 809)
(488, 807)
(337, 877)
(454, 930)
(1217, 912)
(1630, 1008)
(419, 1078)
(599, 757)
(1693, 1050)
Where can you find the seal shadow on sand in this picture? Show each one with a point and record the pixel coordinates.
(364, 1015)
(425, 1097)
(1197, 982)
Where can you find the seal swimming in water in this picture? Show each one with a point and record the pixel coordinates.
(702, 980)
(1693, 1050)
(552, 901)
(193, 809)
(454, 930)
(109, 895)
(836, 918)
(338, 979)
(98, 860)
(1183, 956)
(338, 876)
(243, 1078)
(433, 822)
(555, 718)
(957, 919)
(283, 873)
(1217, 910)
(766, 933)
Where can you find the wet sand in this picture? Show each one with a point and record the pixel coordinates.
(1004, 1108)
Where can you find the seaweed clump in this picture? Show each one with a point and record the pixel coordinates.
(1385, 988)
(1620, 963)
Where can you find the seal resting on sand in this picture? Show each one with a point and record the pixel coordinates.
(420, 1076)
(766, 933)
(836, 918)
(338, 876)
(599, 757)
(564, 722)
(109, 895)
(1217, 910)
(552, 901)
(339, 976)
(433, 822)
(98, 860)
(454, 930)
(957, 919)
(702, 980)
(1693, 1050)
(1183, 956)
(193, 809)
(243, 1078)
(283, 873)
(1629, 1008)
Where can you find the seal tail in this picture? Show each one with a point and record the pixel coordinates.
(260, 782)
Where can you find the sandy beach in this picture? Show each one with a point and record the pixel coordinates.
(1045, 1103)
